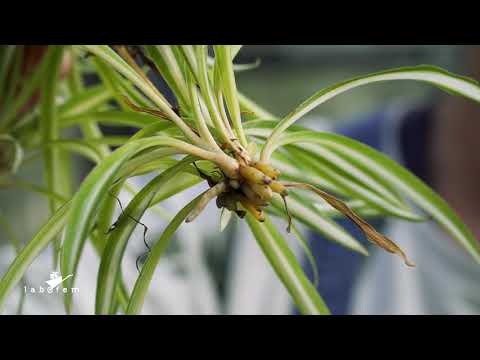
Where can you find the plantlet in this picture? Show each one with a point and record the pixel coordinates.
(256, 165)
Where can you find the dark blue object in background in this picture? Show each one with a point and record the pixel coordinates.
(339, 267)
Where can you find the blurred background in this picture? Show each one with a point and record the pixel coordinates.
(287, 75)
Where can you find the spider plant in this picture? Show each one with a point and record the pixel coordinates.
(257, 166)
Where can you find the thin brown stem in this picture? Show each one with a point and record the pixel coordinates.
(289, 226)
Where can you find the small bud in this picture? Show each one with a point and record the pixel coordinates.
(257, 213)
(266, 169)
(251, 195)
(254, 176)
(278, 188)
(264, 191)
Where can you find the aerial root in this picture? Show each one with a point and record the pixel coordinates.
(149, 111)
(289, 226)
(114, 225)
(140, 257)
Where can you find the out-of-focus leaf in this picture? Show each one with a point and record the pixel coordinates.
(339, 174)
(399, 177)
(30, 84)
(29, 253)
(308, 253)
(108, 275)
(114, 117)
(56, 171)
(433, 75)
(11, 154)
(86, 101)
(85, 203)
(222, 52)
(164, 59)
(287, 267)
(142, 284)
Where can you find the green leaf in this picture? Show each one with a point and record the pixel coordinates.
(79, 147)
(328, 169)
(87, 148)
(234, 50)
(179, 183)
(30, 252)
(7, 55)
(89, 129)
(142, 284)
(30, 84)
(250, 106)
(18, 183)
(114, 117)
(239, 67)
(291, 170)
(164, 59)
(14, 77)
(308, 253)
(287, 268)
(84, 204)
(134, 166)
(339, 174)
(114, 60)
(222, 52)
(48, 124)
(86, 101)
(109, 271)
(208, 93)
(110, 80)
(122, 292)
(400, 178)
(328, 228)
(11, 155)
(91, 194)
(17, 245)
(56, 172)
(436, 76)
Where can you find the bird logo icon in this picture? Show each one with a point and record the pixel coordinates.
(56, 279)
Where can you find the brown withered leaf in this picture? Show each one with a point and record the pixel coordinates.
(153, 112)
(371, 234)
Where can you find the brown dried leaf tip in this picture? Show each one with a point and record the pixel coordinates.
(371, 234)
